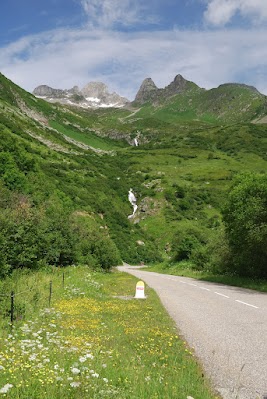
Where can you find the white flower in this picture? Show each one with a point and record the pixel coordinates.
(6, 388)
(75, 384)
(73, 349)
(82, 359)
(95, 375)
(89, 356)
(147, 378)
(104, 366)
(2, 367)
(74, 370)
(105, 380)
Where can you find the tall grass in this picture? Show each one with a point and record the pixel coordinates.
(95, 341)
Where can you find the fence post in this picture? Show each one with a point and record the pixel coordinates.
(50, 292)
(12, 307)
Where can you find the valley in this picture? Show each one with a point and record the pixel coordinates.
(191, 144)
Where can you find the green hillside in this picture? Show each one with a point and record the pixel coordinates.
(228, 103)
(65, 174)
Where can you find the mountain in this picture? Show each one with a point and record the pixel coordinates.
(64, 189)
(184, 100)
(180, 100)
(149, 92)
(93, 95)
(57, 160)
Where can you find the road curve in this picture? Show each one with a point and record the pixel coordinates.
(226, 326)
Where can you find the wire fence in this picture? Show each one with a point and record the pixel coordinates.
(12, 295)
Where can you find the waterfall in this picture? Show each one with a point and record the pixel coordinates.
(132, 200)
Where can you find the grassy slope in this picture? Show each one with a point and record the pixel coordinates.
(92, 183)
(227, 103)
(95, 341)
(202, 157)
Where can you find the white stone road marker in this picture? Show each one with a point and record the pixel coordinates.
(140, 290)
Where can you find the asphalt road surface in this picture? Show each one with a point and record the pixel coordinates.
(226, 326)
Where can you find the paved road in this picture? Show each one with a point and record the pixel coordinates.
(227, 327)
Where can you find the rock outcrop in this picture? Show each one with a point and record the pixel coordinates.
(93, 95)
(46, 91)
(149, 92)
(98, 92)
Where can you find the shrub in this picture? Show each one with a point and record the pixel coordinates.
(200, 257)
(184, 242)
(245, 218)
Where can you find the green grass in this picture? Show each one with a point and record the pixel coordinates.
(181, 270)
(226, 103)
(94, 341)
(90, 139)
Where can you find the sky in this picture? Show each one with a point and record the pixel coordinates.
(63, 43)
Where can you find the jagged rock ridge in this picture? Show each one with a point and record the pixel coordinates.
(149, 92)
(93, 95)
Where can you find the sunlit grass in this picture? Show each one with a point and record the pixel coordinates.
(95, 341)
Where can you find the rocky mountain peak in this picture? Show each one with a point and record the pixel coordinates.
(93, 95)
(47, 91)
(95, 89)
(178, 85)
(149, 84)
(147, 91)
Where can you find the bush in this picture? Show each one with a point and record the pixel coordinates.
(184, 242)
(245, 218)
(200, 257)
(105, 252)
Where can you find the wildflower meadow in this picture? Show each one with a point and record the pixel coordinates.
(94, 341)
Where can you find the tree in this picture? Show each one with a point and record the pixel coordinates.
(245, 218)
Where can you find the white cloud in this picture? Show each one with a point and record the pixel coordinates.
(109, 13)
(220, 12)
(64, 58)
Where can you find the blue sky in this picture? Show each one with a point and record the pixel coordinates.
(63, 43)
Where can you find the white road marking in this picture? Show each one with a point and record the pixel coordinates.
(248, 304)
(225, 296)
(217, 293)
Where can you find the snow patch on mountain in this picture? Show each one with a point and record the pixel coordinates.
(93, 95)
